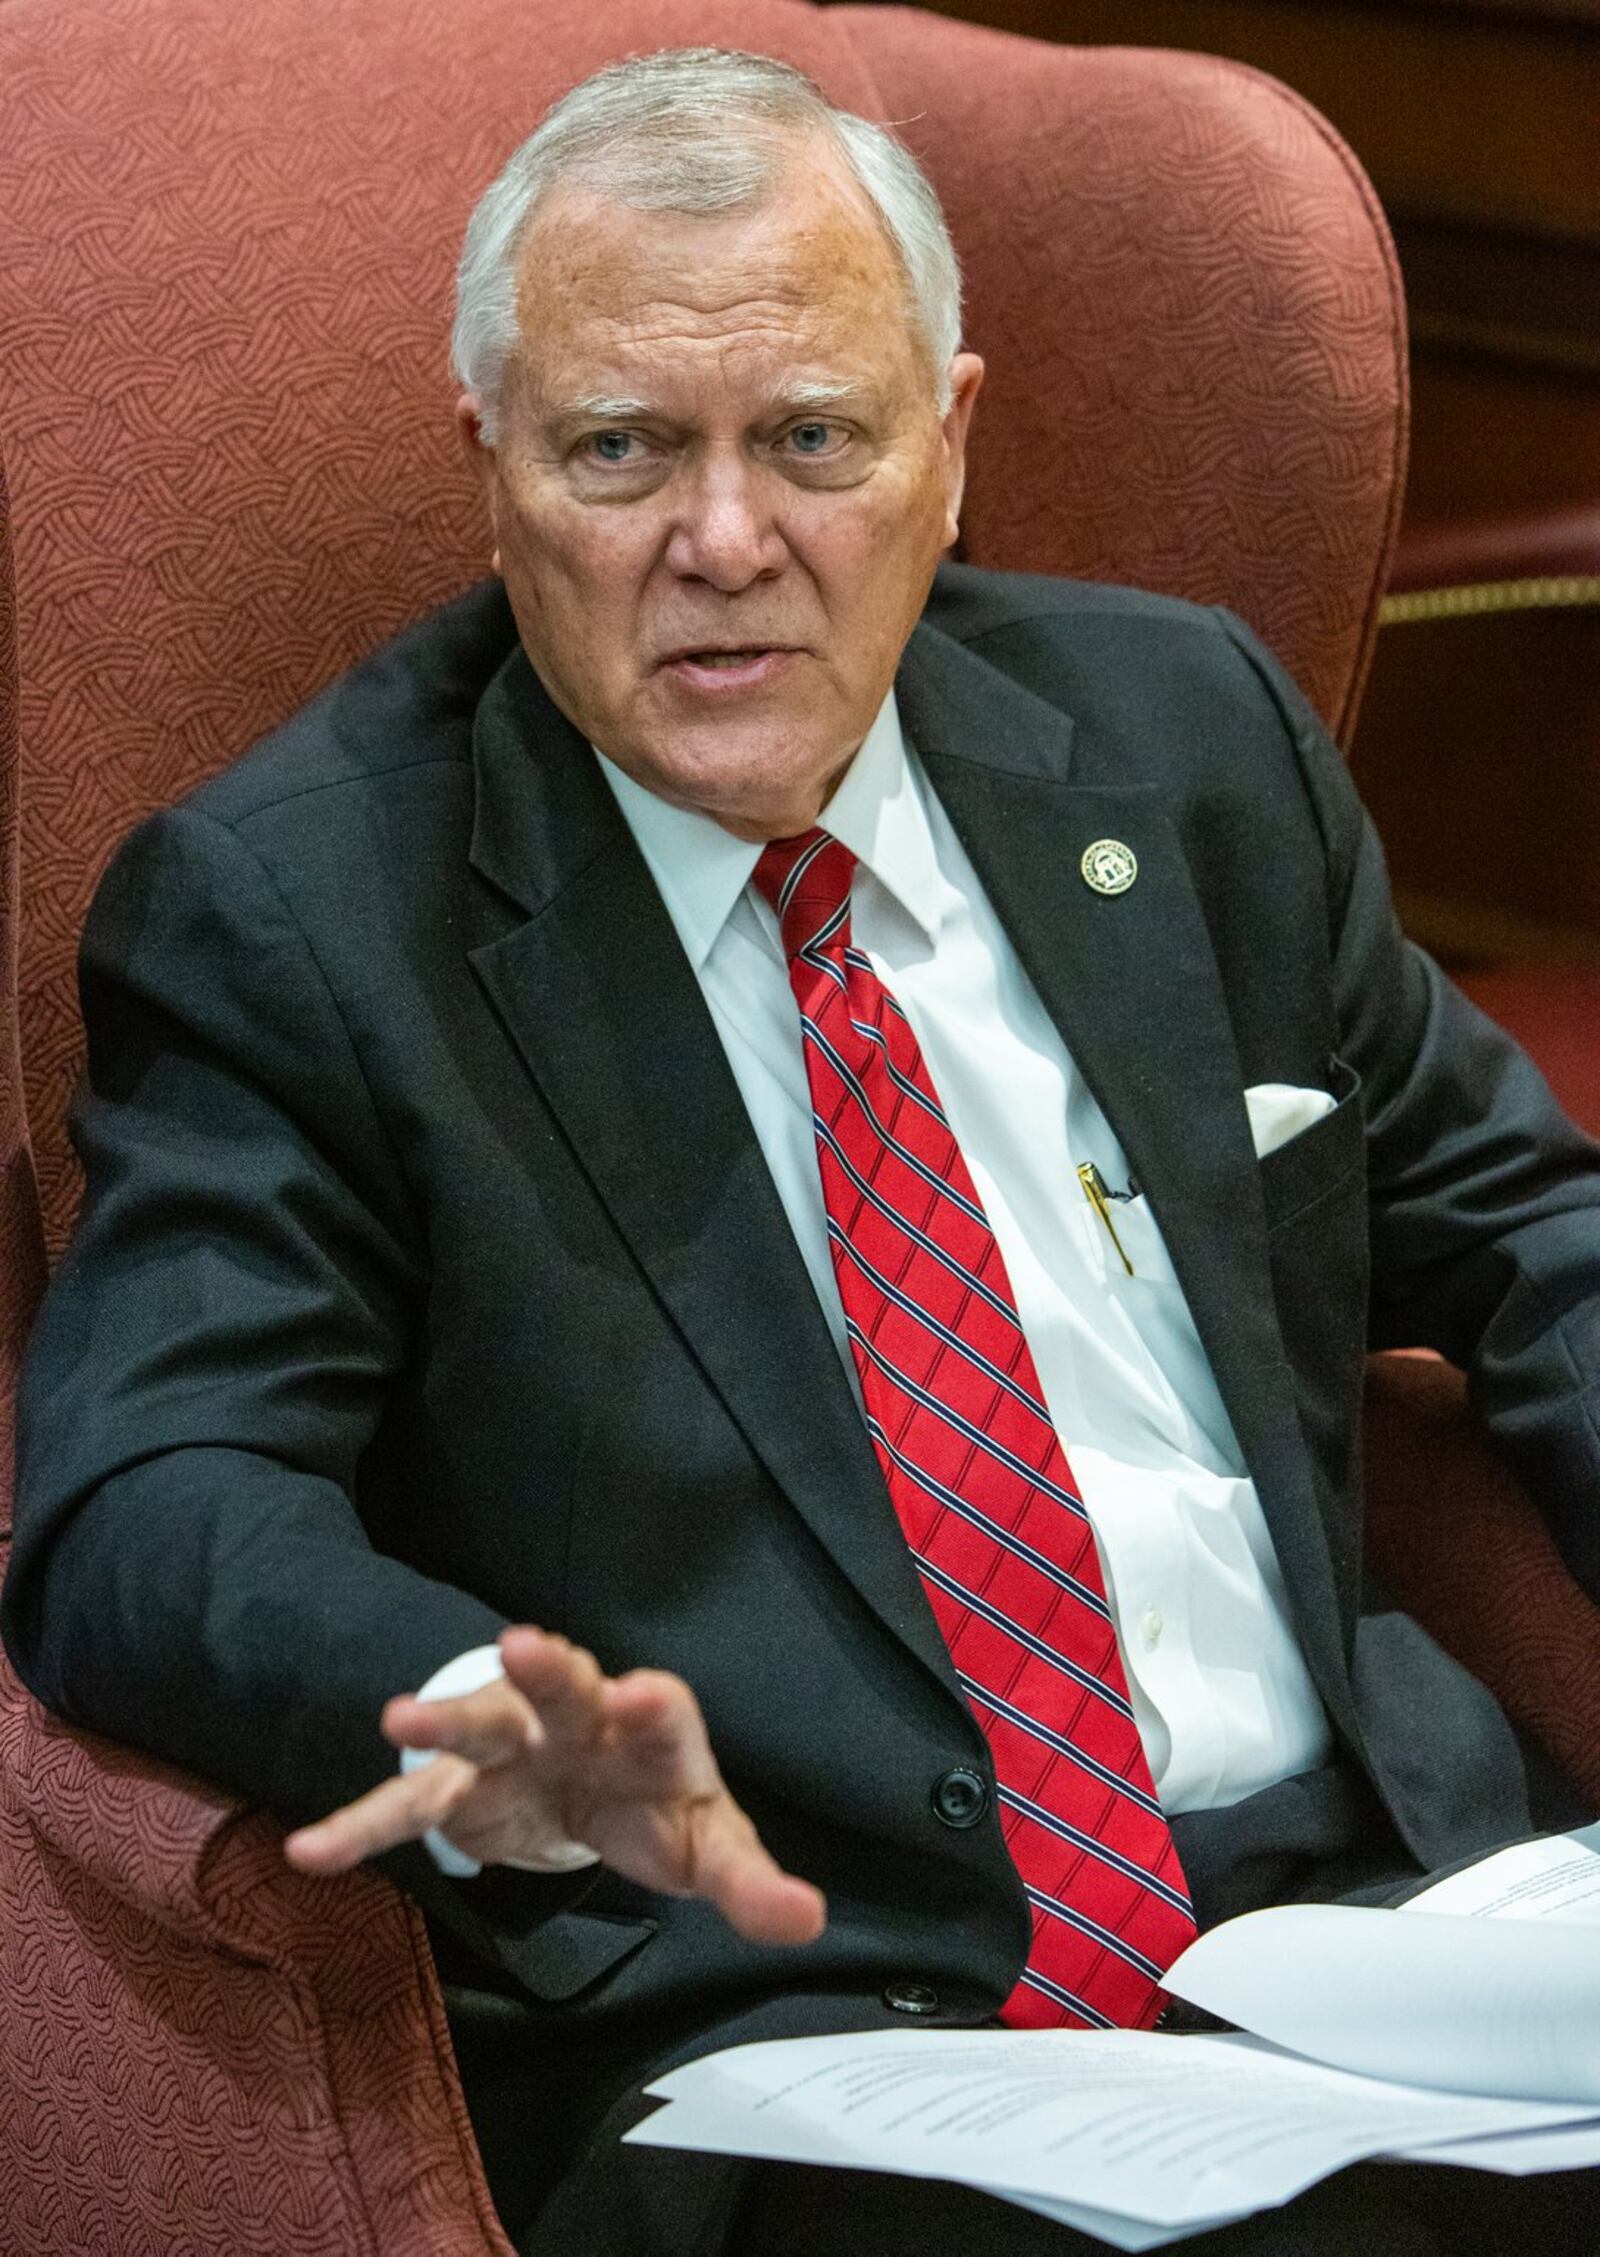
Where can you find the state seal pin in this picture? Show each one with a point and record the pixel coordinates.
(1109, 866)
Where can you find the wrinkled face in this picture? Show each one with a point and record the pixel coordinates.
(721, 486)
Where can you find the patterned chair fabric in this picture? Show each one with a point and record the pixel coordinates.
(203, 2051)
(229, 237)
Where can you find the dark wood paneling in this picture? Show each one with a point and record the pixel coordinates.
(1466, 758)
(1526, 301)
(1490, 438)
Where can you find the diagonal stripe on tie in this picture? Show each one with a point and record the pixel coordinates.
(1075, 2008)
(1093, 1846)
(1105, 1937)
(1087, 1679)
(856, 1086)
(978, 1478)
(947, 1333)
(1063, 1746)
(906, 1088)
(964, 1426)
(1083, 1592)
(942, 1255)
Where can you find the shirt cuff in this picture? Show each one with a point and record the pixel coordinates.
(469, 1673)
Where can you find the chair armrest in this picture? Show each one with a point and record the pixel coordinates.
(135, 1826)
(1553, 1011)
(1456, 1539)
(312, 2004)
(187, 1855)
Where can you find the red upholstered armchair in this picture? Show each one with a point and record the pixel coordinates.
(225, 260)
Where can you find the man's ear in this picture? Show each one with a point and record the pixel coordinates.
(966, 381)
(480, 456)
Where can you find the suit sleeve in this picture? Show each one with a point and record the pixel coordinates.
(1484, 1198)
(214, 1360)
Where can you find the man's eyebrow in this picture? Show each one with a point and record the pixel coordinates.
(817, 392)
(603, 407)
(791, 399)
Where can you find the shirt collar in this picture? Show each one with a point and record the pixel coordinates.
(876, 811)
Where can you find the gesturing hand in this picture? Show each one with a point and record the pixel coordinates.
(557, 1752)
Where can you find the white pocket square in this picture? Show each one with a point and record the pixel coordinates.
(1277, 1112)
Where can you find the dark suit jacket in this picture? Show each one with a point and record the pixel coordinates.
(431, 1277)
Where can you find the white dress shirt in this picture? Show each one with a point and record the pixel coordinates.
(1222, 1696)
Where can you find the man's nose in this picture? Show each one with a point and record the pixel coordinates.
(726, 529)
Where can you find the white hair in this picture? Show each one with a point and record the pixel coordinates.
(696, 130)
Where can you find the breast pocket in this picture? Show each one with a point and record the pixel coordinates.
(1315, 1190)
(1322, 1159)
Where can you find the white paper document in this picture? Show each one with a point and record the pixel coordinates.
(710, 2126)
(1512, 2008)
(1110, 2225)
(1464, 2029)
(1568, 2147)
(1555, 1878)
(1170, 2131)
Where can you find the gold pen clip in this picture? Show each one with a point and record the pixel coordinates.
(1094, 1190)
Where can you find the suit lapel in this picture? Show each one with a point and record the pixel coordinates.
(595, 992)
(1131, 983)
(598, 997)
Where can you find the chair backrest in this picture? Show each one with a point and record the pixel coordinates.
(21, 1238)
(226, 261)
(1194, 325)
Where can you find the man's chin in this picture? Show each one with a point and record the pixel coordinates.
(754, 787)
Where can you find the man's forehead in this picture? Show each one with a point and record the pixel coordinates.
(814, 245)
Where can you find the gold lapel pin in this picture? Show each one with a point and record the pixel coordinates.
(1109, 866)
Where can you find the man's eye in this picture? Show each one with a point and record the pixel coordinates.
(612, 446)
(814, 438)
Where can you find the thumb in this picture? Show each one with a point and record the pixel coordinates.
(734, 1870)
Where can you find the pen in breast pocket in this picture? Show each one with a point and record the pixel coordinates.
(1099, 1198)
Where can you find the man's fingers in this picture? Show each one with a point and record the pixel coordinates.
(773, 1907)
(488, 1728)
(561, 1681)
(630, 1753)
(400, 1810)
(657, 1743)
(655, 1750)
(732, 1867)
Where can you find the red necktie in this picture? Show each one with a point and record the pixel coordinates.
(978, 1479)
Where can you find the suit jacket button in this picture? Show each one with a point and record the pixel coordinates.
(911, 1998)
(960, 1797)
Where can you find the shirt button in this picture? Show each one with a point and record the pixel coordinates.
(1151, 1626)
(911, 1998)
(960, 1797)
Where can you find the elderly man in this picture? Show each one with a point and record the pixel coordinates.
(772, 1188)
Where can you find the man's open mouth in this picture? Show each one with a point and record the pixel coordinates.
(727, 670)
(742, 654)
